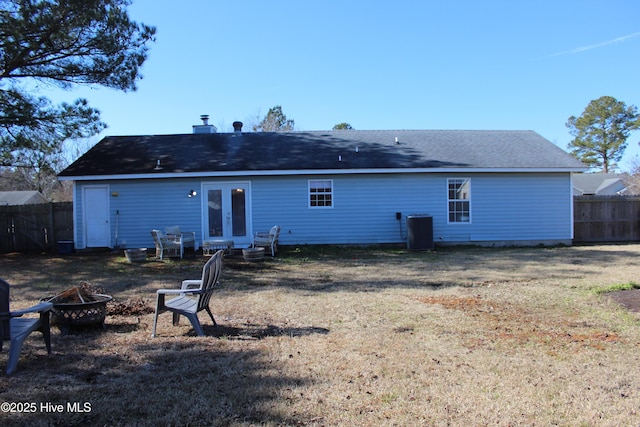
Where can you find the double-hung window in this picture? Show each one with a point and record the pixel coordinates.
(321, 193)
(459, 198)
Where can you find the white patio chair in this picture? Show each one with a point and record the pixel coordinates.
(167, 246)
(192, 297)
(268, 240)
(188, 237)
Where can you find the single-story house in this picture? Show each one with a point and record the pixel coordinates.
(18, 198)
(325, 187)
(598, 184)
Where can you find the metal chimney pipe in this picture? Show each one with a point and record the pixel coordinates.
(237, 126)
(205, 119)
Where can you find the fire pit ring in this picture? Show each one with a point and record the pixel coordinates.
(69, 314)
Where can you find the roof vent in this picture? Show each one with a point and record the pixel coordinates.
(205, 127)
(237, 126)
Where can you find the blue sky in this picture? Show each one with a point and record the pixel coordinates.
(462, 64)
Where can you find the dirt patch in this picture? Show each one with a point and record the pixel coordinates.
(501, 322)
(628, 299)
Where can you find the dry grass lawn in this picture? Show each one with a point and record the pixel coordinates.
(342, 337)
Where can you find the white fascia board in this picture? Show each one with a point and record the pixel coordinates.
(316, 172)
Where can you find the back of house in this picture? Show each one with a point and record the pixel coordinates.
(325, 187)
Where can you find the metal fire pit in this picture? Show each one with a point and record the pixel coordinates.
(70, 314)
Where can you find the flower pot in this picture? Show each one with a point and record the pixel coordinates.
(253, 254)
(136, 255)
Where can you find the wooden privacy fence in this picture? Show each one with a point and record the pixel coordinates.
(35, 227)
(606, 218)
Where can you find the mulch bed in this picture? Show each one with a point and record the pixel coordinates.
(629, 299)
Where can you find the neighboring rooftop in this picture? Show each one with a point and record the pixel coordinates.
(601, 184)
(15, 198)
(321, 150)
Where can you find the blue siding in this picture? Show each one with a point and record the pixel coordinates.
(78, 224)
(142, 205)
(364, 208)
(522, 208)
(516, 207)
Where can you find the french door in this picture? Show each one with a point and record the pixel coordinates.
(226, 212)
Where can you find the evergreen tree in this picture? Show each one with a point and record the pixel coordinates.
(343, 126)
(66, 43)
(275, 121)
(601, 132)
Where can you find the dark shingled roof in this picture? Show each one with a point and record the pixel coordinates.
(321, 150)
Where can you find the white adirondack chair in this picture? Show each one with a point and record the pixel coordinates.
(192, 297)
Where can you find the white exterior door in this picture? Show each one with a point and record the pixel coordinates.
(226, 212)
(96, 216)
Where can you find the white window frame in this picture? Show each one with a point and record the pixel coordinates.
(330, 193)
(467, 200)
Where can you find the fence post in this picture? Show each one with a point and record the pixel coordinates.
(13, 233)
(52, 228)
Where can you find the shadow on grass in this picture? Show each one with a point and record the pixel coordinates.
(163, 381)
(312, 268)
(246, 331)
(301, 268)
(253, 331)
(42, 274)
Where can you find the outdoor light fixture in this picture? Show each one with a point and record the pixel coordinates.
(192, 193)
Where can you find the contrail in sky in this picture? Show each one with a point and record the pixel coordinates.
(597, 45)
